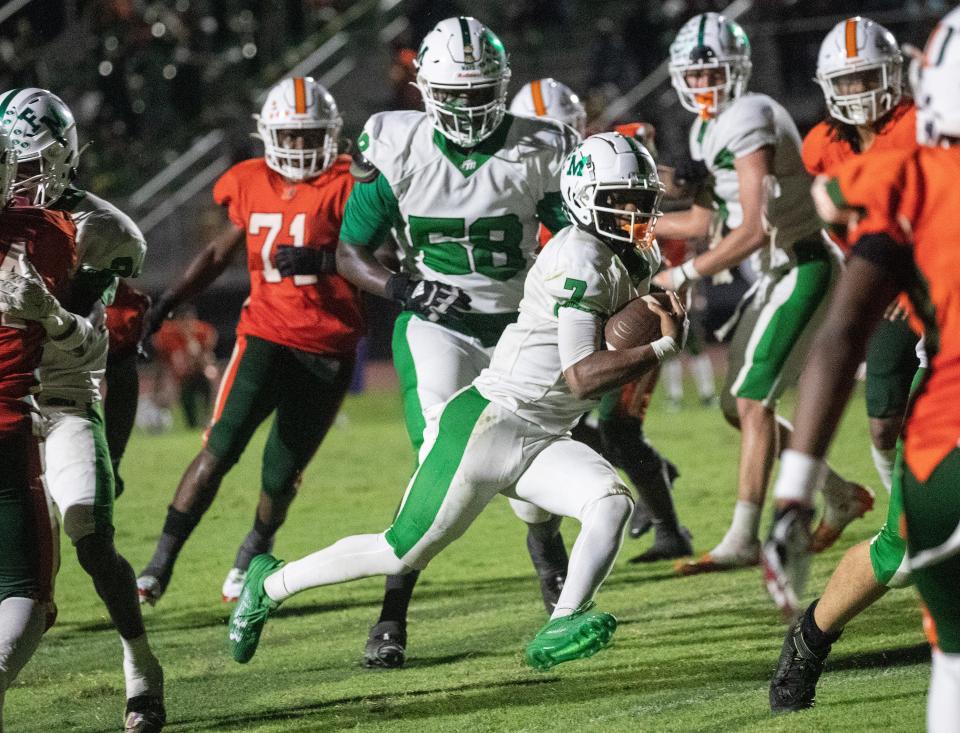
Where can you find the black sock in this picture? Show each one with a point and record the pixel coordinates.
(546, 548)
(817, 639)
(396, 597)
(257, 541)
(176, 529)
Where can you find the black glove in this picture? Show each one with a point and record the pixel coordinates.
(433, 299)
(304, 261)
(689, 172)
(156, 314)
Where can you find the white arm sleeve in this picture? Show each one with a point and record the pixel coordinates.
(579, 335)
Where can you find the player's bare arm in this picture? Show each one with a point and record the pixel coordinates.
(752, 171)
(360, 266)
(689, 224)
(206, 267)
(603, 370)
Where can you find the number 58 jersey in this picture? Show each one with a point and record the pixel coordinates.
(466, 217)
(316, 313)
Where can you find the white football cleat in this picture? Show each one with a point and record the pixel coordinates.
(149, 589)
(839, 509)
(232, 585)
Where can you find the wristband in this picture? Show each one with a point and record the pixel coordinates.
(396, 287)
(664, 346)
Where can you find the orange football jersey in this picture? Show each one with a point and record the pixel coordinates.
(48, 240)
(912, 198)
(125, 318)
(316, 313)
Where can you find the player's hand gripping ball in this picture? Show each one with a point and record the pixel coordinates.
(635, 323)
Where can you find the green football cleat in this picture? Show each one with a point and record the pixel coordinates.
(254, 605)
(577, 636)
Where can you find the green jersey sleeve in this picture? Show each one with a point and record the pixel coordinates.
(370, 213)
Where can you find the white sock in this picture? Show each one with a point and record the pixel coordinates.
(672, 371)
(745, 527)
(702, 369)
(141, 670)
(943, 701)
(800, 477)
(358, 556)
(883, 460)
(593, 554)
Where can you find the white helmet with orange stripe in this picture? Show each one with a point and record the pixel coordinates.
(299, 125)
(551, 98)
(938, 94)
(860, 69)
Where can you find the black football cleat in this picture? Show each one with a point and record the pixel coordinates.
(667, 545)
(144, 714)
(794, 683)
(386, 646)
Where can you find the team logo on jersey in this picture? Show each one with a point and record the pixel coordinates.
(469, 164)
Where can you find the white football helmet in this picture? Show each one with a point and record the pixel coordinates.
(938, 95)
(860, 69)
(300, 126)
(8, 169)
(462, 74)
(553, 99)
(43, 133)
(708, 42)
(610, 187)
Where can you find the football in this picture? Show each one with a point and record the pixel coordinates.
(635, 323)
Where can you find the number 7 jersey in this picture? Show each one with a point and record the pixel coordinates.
(315, 313)
(466, 217)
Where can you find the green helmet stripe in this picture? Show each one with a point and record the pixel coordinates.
(702, 29)
(5, 102)
(635, 146)
(464, 30)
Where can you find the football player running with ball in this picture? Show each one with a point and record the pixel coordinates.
(37, 256)
(752, 149)
(464, 186)
(509, 432)
(903, 205)
(298, 330)
(77, 467)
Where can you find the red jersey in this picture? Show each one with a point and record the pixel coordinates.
(911, 197)
(48, 239)
(182, 343)
(320, 314)
(125, 318)
(823, 151)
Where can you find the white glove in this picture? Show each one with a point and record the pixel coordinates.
(25, 296)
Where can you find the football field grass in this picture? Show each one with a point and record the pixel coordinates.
(691, 654)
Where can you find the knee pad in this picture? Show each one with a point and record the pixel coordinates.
(888, 557)
(546, 530)
(531, 513)
(81, 521)
(614, 508)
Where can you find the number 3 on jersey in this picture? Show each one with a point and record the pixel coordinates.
(273, 223)
(493, 249)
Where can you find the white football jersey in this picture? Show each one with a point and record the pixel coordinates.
(574, 270)
(469, 220)
(109, 245)
(747, 124)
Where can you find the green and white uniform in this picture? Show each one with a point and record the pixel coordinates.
(797, 269)
(466, 218)
(77, 469)
(510, 431)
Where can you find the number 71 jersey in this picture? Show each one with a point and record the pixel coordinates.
(466, 217)
(315, 313)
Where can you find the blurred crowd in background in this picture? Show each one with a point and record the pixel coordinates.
(148, 79)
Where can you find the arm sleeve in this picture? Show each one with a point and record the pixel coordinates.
(370, 212)
(579, 335)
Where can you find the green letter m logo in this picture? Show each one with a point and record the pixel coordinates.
(576, 165)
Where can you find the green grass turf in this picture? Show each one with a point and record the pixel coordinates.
(691, 654)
